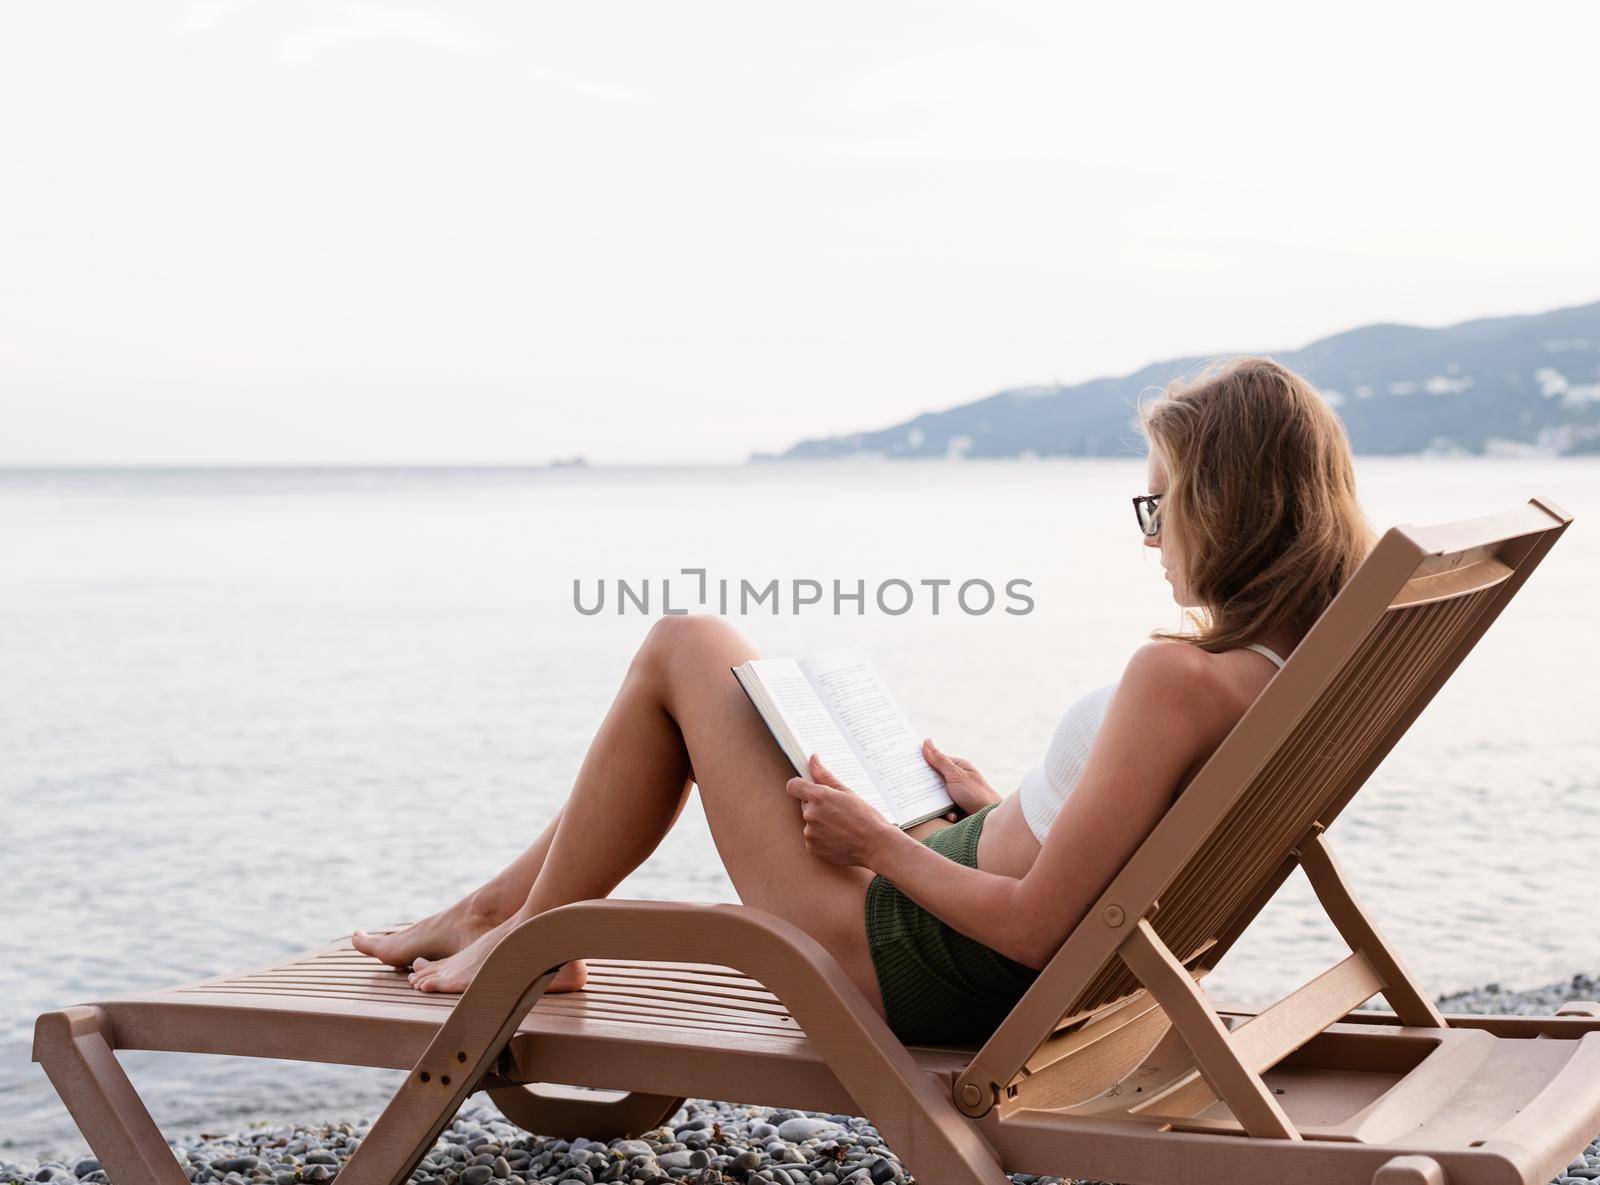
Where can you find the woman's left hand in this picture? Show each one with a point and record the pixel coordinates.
(839, 827)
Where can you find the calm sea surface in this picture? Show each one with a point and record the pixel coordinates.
(242, 712)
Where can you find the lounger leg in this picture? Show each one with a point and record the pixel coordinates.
(75, 1049)
(938, 1144)
(450, 1070)
(1409, 1170)
(549, 1110)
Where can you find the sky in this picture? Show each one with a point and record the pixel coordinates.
(341, 231)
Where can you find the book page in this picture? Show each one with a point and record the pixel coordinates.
(850, 686)
(813, 727)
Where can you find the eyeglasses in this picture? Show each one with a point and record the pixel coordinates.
(1145, 508)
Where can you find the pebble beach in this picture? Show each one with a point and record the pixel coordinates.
(705, 1143)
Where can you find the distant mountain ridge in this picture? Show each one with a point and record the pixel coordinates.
(1500, 385)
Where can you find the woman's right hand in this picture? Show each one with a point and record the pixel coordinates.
(962, 781)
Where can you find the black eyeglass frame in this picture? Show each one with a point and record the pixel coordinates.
(1145, 507)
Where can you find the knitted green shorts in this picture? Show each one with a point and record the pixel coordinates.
(938, 985)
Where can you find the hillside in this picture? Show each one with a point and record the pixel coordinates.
(1499, 385)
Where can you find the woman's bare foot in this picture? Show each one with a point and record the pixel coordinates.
(436, 937)
(452, 975)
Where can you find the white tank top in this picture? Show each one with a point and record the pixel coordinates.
(1046, 786)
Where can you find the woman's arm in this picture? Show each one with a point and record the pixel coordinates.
(1158, 723)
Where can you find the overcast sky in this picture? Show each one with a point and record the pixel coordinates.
(269, 230)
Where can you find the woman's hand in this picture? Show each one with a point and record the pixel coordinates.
(962, 781)
(839, 827)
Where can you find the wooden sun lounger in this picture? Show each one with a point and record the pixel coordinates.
(1116, 1064)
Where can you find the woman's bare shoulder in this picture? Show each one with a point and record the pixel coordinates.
(1165, 660)
(1196, 687)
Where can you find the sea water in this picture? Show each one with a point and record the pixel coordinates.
(244, 711)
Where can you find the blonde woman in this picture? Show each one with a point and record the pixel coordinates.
(1251, 502)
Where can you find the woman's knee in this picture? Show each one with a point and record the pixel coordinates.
(687, 639)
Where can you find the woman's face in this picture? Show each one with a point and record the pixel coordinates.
(1156, 483)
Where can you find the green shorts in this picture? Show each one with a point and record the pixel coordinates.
(938, 985)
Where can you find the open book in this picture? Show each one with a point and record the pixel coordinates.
(837, 707)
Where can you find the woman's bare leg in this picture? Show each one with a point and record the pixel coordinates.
(679, 705)
(458, 925)
(643, 751)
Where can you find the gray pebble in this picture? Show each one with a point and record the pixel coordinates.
(705, 1143)
(804, 1128)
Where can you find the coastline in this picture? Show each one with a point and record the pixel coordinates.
(704, 1143)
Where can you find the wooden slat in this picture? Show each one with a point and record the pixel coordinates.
(692, 968)
(574, 1003)
(700, 1001)
(266, 999)
(600, 1013)
(754, 996)
(296, 975)
(348, 954)
(1269, 1037)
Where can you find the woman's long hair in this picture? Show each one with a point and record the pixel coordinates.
(1260, 501)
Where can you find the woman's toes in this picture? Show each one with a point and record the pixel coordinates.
(373, 945)
(570, 978)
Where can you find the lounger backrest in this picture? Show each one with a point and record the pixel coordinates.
(1353, 685)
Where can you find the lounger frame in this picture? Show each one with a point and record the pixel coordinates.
(1115, 1065)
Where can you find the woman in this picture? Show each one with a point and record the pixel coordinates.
(1252, 505)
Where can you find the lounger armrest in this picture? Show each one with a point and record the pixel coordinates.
(840, 1023)
(1564, 1115)
(788, 961)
